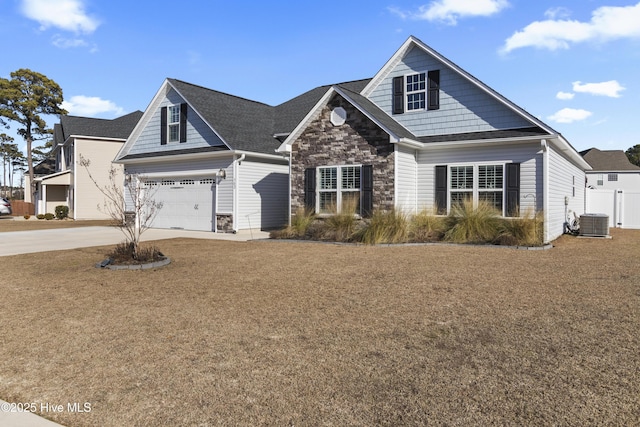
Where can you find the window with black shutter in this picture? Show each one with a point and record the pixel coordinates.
(398, 95)
(163, 126)
(434, 90)
(367, 190)
(513, 189)
(441, 190)
(310, 188)
(183, 122)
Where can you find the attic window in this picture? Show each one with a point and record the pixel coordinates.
(174, 123)
(416, 91)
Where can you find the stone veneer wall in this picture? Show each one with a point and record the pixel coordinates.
(224, 223)
(358, 141)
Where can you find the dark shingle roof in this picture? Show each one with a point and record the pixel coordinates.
(608, 160)
(243, 124)
(250, 125)
(119, 128)
(494, 134)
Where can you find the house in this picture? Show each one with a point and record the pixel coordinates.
(611, 169)
(425, 134)
(68, 183)
(210, 159)
(613, 187)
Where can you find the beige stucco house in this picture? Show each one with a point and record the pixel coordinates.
(69, 184)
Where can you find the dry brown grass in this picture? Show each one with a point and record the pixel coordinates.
(283, 333)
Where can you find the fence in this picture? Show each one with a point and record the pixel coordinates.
(21, 208)
(622, 206)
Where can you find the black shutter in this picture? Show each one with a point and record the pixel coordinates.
(366, 205)
(163, 126)
(513, 189)
(310, 189)
(398, 95)
(433, 94)
(183, 122)
(441, 190)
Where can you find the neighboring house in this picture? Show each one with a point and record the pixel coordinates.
(210, 159)
(613, 187)
(68, 183)
(425, 134)
(611, 169)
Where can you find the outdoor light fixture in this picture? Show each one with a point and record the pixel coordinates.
(222, 173)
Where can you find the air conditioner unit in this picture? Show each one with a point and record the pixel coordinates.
(594, 225)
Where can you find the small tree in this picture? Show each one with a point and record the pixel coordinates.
(131, 204)
(24, 99)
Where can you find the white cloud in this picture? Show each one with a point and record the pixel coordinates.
(449, 11)
(607, 23)
(611, 88)
(91, 106)
(570, 115)
(65, 43)
(557, 12)
(67, 15)
(565, 96)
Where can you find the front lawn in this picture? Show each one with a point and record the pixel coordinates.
(288, 333)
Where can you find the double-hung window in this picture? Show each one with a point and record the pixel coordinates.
(173, 121)
(416, 91)
(339, 189)
(479, 183)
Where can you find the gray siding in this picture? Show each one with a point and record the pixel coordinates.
(527, 154)
(263, 195)
(565, 180)
(464, 107)
(406, 180)
(199, 134)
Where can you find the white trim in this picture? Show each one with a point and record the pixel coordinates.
(178, 174)
(545, 189)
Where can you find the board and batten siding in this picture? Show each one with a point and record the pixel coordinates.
(199, 134)
(406, 179)
(263, 195)
(527, 154)
(206, 166)
(565, 180)
(464, 107)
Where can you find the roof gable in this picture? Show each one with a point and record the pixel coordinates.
(461, 93)
(119, 128)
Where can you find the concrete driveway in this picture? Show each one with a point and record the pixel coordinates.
(23, 242)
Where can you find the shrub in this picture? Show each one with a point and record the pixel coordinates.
(385, 227)
(340, 225)
(62, 211)
(300, 223)
(49, 216)
(466, 224)
(40, 216)
(426, 227)
(523, 231)
(124, 253)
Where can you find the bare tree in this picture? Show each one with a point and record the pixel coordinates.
(131, 204)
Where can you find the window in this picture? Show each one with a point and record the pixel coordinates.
(416, 91)
(600, 179)
(174, 123)
(479, 183)
(339, 189)
(490, 185)
(461, 184)
(612, 177)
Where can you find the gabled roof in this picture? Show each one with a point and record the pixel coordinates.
(608, 160)
(118, 128)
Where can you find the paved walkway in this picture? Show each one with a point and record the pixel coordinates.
(23, 242)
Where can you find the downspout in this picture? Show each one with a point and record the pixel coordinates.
(236, 175)
(545, 188)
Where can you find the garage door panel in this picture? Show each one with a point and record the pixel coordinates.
(187, 203)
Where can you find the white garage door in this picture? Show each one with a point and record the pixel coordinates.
(187, 203)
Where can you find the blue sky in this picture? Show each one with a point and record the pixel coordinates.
(572, 63)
